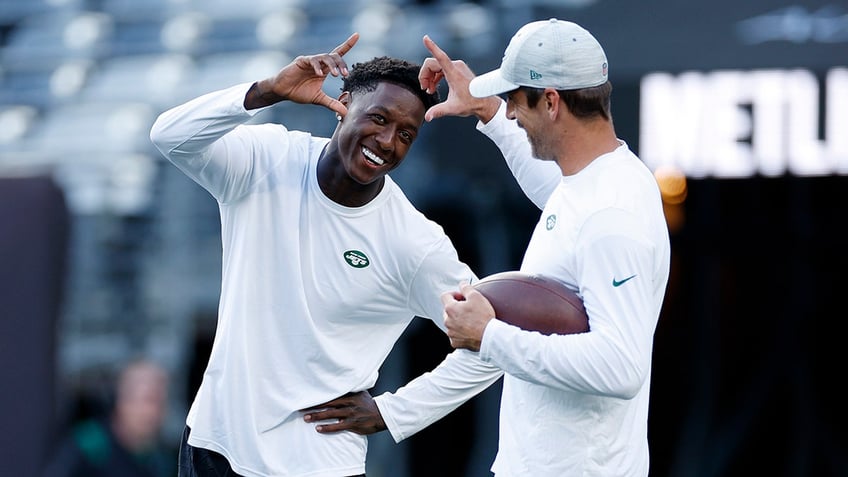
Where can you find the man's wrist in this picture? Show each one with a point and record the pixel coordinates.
(260, 95)
(488, 109)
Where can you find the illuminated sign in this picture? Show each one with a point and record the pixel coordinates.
(737, 123)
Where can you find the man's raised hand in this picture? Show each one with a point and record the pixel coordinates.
(301, 81)
(458, 75)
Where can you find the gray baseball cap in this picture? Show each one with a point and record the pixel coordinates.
(546, 54)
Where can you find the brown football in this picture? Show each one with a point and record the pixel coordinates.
(534, 303)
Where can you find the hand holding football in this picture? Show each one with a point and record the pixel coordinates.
(534, 303)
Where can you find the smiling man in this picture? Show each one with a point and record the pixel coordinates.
(325, 263)
(571, 404)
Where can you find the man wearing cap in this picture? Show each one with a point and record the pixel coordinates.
(572, 405)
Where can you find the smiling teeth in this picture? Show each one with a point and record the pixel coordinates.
(373, 157)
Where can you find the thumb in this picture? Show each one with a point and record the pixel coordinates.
(332, 104)
(467, 289)
(436, 112)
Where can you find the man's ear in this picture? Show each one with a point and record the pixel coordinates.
(344, 98)
(553, 102)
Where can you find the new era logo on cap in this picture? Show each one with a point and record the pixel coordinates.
(534, 75)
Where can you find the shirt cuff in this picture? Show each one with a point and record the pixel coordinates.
(237, 94)
(391, 425)
(488, 344)
(495, 123)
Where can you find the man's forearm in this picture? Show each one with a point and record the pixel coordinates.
(261, 95)
(431, 396)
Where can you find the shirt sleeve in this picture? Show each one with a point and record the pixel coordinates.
(206, 139)
(433, 395)
(537, 178)
(461, 376)
(440, 271)
(613, 358)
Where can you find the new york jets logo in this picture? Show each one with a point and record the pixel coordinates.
(550, 222)
(356, 259)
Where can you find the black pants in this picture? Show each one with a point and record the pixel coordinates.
(198, 462)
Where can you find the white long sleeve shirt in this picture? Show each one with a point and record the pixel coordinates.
(314, 294)
(577, 405)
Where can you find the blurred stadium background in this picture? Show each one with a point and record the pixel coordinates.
(741, 108)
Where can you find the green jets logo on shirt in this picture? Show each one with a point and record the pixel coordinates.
(356, 259)
(550, 222)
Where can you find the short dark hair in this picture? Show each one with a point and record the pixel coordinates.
(583, 103)
(365, 77)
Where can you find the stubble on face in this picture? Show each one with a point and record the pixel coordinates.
(524, 116)
(538, 145)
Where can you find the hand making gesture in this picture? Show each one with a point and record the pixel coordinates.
(301, 81)
(459, 101)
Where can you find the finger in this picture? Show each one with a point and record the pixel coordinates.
(430, 74)
(342, 49)
(431, 83)
(430, 115)
(437, 111)
(451, 324)
(466, 288)
(331, 103)
(435, 82)
(447, 298)
(333, 403)
(325, 414)
(451, 297)
(318, 66)
(335, 427)
(320, 407)
(316, 415)
(441, 57)
(330, 63)
(342, 401)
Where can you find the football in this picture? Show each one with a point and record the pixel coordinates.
(534, 303)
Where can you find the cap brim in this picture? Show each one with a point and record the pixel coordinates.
(490, 84)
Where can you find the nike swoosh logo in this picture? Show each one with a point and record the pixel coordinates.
(618, 283)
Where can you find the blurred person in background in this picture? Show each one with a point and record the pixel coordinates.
(325, 264)
(126, 442)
